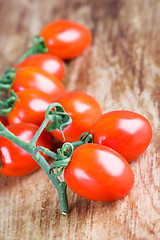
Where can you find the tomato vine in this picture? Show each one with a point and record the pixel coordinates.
(94, 167)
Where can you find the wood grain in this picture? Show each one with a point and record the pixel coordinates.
(122, 71)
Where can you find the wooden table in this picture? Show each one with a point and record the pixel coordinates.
(122, 71)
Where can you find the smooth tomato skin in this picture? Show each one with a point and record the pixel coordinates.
(66, 39)
(15, 160)
(45, 61)
(98, 173)
(35, 78)
(3, 121)
(30, 108)
(126, 132)
(83, 109)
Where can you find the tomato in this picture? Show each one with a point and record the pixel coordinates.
(65, 38)
(3, 121)
(47, 62)
(126, 132)
(30, 108)
(83, 109)
(16, 161)
(37, 79)
(98, 173)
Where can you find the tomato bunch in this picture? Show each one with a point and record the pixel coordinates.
(97, 170)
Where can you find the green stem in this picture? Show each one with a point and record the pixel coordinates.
(46, 151)
(60, 186)
(63, 198)
(77, 144)
(27, 53)
(9, 135)
(39, 131)
(84, 138)
(59, 119)
(38, 46)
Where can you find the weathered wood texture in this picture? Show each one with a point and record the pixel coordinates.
(122, 71)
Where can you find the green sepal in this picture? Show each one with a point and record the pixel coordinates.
(39, 44)
(6, 105)
(6, 81)
(59, 118)
(66, 153)
(86, 137)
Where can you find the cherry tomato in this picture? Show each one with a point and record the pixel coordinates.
(30, 108)
(3, 121)
(16, 161)
(98, 173)
(126, 132)
(65, 38)
(83, 109)
(35, 78)
(47, 62)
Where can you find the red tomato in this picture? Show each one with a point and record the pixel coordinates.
(3, 121)
(47, 62)
(126, 132)
(30, 108)
(83, 109)
(65, 38)
(16, 161)
(35, 78)
(98, 173)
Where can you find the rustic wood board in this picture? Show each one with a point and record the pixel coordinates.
(122, 71)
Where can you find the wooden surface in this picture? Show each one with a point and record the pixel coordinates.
(122, 71)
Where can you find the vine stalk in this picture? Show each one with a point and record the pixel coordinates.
(57, 119)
